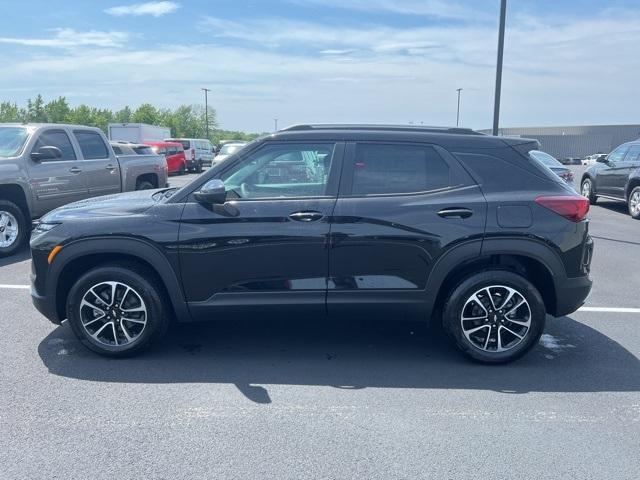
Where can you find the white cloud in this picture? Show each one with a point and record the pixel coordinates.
(427, 8)
(155, 9)
(68, 37)
(565, 71)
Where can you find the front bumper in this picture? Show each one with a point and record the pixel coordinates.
(46, 306)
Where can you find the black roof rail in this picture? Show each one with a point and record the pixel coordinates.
(397, 128)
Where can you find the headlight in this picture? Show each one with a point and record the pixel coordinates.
(43, 227)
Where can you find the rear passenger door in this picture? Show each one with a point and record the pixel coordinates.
(609, 179)
(101, 170)
(56, 182)
(400, 206)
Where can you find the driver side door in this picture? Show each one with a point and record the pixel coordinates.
(267, 245)
(608, 177)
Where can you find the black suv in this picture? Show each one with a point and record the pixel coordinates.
(616, 177)
(441, 224)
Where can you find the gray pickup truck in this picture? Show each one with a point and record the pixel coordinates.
(44, 166)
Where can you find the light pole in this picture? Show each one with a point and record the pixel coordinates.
(496, 106)
(275, 124)
(458, 114)
(206, 111)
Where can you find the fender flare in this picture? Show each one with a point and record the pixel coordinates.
(532, 248)
(145, 251)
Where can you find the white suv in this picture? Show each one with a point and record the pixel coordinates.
(198, 151)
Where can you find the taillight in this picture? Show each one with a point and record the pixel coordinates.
(567, 176)
(572, 207)
(193, 154)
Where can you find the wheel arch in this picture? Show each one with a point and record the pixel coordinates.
(16, 194)
(631, 184)
(82, 255)
(530, 258)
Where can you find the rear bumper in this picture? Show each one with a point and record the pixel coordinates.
(571, 295)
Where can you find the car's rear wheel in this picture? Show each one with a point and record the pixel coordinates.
(144, 185)
(117, 311)
(586, 189)
(198, 167)
(494, 316)
(183, 169)
(13, 228)
(634, 203)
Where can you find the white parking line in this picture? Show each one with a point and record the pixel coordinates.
(609, 309)
(581, 309)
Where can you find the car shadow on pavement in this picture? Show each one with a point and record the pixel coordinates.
(571, 357)
(17, 257)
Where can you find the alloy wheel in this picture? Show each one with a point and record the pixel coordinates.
(634, 202)
(8, 229)
(113, 314)
(586, 189)
(496, 318)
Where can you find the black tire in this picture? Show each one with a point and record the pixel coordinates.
(14, 213)
(587, 184)
(144, 185)
(634, 203)
(144, 285)
(498, 281)
(198, 168)
(183, 169)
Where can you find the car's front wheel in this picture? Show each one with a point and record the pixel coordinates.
(117, 310)
(634, 203)
(586, 189)
(13, 228)
(494, 316)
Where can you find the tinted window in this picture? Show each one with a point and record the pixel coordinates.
(281, 171)
(634, 154)
(91, 145)
(544, 158)
(387, 169)
(143, 150)
(59, 139)
(618, 154)
(185, 143)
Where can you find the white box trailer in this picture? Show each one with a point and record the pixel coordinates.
(137, 132)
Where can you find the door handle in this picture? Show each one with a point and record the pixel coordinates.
(75, 170)
(455, 213)
(306, 216)
(110, 167)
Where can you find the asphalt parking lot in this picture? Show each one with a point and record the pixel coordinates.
(296, 399)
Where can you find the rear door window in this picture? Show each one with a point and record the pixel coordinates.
(633, 155)
(618, 154)
(91, 145)
(58, 139)
(384, 169)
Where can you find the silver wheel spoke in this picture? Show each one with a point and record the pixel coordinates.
(488, 332)
(102, 300)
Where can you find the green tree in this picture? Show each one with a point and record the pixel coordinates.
(57, 111)
(123, 115)
(35, 110)
(146, 113)
(9, 112)
(81, 115)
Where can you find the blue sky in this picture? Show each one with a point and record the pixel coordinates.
(374, 61)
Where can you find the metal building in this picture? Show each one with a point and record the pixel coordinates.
(577, 141)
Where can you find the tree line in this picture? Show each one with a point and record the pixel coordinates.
(184, 121)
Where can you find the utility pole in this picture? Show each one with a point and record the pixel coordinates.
(496, 106)
(275, 124)
(206, 111)
(458, 115)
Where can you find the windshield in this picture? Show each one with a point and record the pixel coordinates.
(230, 149)
(545, 158)
(12, 139)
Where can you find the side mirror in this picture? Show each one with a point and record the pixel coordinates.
(212, 192)
(46, 153)
(602, 160)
